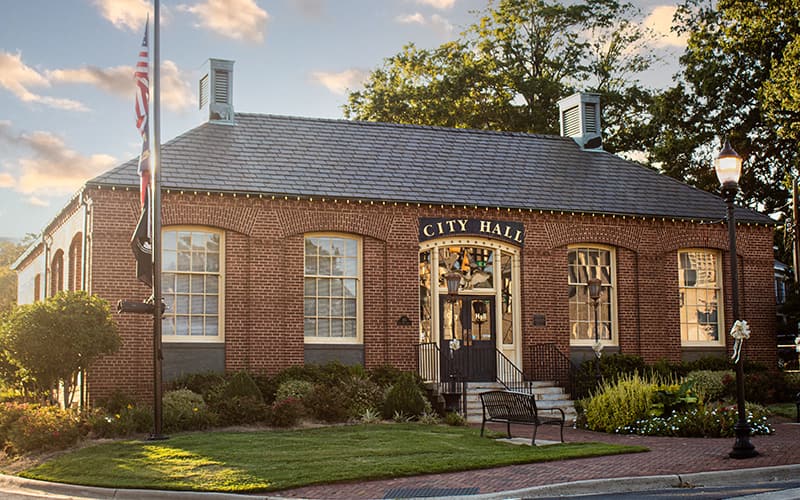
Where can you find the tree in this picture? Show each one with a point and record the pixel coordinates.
(58, 338)
(738, 74)
(509, 69)
(9, 251)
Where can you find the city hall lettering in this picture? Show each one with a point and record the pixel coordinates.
(430, 228)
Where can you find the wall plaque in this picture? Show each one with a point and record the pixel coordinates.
(512, 232)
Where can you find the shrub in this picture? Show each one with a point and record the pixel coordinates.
(294, 388)
(673, 397)
(10, 412)
(612, 368)
(404, 397)
(620, 403)
(327, 403)
(123, 422)
(185, 410)
(710, 385)
(385, 375)
(42, 428)
(116, 402)
(268, 386)
(792, 381)
(455, 419)
(286, 412)
(199, 383)
(361, 394)
(237, 400)
(370, 416)
(429, 418)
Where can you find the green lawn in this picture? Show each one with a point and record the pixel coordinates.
(274, 460)
(788, 410)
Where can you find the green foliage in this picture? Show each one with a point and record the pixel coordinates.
(710, 385)
(9, 251)
(55, 339)
(327, 403)
(286, 412)
(733, 82)
(671, 398)
(404, 397)
(455, 419)
(39, 428)
(620, 403)
(612, 368)
(122, 422)
(385, 375)
(508, 70)
(714, 420)
(361, 394)
(184, 410)
(792, 381)
(116, 401)
(429, 418)
(201, 383)
(294, 388)
(370, 416)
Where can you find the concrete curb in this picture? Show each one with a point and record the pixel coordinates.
(587, 487)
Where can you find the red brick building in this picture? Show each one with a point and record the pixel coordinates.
(296, 240)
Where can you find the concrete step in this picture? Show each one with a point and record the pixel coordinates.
(548, 395)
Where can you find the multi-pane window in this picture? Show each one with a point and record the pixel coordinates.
(191, 281)
(584, 264)
(700, 290)
(330, 299)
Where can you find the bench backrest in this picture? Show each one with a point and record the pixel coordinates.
(508, 404)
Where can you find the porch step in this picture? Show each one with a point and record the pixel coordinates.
(548, 395)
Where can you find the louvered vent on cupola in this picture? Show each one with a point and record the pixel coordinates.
(216, 91)
(580, 119)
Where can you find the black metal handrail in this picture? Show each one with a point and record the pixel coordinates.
(509, 375)
(547, 362)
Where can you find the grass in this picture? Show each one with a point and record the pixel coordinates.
(275, 460)
(788, 410)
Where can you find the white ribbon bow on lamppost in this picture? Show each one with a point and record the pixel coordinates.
(739, 331)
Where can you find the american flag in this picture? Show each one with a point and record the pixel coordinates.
(141, 242)
(142, 78)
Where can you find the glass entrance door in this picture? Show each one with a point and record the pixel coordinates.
(467, 338)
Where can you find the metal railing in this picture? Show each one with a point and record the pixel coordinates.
(547, 362)
(509, 375)
(428, 353)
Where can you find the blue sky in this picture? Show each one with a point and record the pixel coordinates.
(66, 66)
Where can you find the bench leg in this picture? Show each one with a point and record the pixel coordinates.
(533, 439)
(483, 424)
(508, 429)
(562, 432)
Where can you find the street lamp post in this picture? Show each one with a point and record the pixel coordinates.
(595, 290)
(729, 168)
(453, 280)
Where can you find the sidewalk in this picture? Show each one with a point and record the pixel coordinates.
(671, 462)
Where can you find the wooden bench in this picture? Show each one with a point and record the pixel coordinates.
(517, 408)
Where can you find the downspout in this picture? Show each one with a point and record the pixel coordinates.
(46, 241)
(86, 204)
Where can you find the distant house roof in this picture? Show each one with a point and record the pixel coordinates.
(307, 157)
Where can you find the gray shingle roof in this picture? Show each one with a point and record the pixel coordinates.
(307, 157)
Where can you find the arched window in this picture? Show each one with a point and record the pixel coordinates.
(585, 263)
(74, 270)
(192, 281)
(37, 288)
(57, 273)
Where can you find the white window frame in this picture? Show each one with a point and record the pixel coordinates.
(614, 341)
(720, 300)
(220, 337)
(359, 338)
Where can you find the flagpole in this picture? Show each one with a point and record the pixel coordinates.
(156, 236)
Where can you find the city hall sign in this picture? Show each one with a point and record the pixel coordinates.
(512, 232)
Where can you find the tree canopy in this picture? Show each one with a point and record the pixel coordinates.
(738, 80)
(508, 70)
(52, 340)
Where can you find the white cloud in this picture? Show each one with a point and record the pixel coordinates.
(438, 4)
(48, 167)
(415, 18)
(130, 14)
(437, 22)
(176, 92)
(37, 202)
(660, 21)
(341, 82)
(6, 180)
(237, 19)
(17, 77)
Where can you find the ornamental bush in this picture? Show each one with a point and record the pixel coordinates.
(43, 428)
(405, 397)
(294, 388)
(184, 410)
(327, 403)
(286, 412)
(237, 400)
(620, 403)
(710, 385)
(123, 422)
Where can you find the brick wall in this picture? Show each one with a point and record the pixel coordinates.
(263, 314)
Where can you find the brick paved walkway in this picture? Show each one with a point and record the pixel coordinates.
(666, 456)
